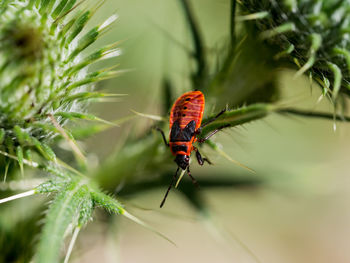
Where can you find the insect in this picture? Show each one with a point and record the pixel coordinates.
(185, 125)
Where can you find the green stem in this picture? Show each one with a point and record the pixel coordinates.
(233, 23)
(238, 117)
(198, 44)
(313, 114)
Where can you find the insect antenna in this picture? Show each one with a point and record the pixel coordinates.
(194, 181)
(167, 192)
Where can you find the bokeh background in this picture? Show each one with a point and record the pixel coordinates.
(298, 213)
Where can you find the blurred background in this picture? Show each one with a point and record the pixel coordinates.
(298, 213)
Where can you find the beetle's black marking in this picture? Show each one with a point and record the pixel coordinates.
(179, 148)
(188, 99)
(183, 115)
(190, 128)
(185, 108)
(188, 131)
(185, 135)
(175, 132)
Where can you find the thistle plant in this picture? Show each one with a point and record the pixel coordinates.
(46, 83)
(311, 35)
(243, 77)
(44, 78)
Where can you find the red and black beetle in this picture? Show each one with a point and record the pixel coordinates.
(185, 124)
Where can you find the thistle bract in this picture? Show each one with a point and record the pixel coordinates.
(313, 34)
(44, 79)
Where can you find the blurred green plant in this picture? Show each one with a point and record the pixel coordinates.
(311, 35)
(45, 84)
(44, 81)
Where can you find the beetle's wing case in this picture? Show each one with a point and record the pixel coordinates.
(188, 107)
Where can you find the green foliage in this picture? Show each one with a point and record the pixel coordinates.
(237, 117)
(43, 71)
(63, 212)
(45, 84)
(72, 207)
(18, 225)
(311, 34)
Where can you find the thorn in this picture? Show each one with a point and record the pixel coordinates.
(225, 155)
(108, 22)
(337, 79)
(149, 116)
(6, 171)
(71, 244)
(254, 16)
(73, 145)
(277, 30)
(140, 222)
(14, 197)
(30, 163)
(316, 41)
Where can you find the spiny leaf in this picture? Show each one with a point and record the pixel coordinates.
(63, 211)
(106, 202)
(78, 26)
(237, 117)
(52, 186)
(86, 208)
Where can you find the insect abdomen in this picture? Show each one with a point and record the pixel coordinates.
(188, 107)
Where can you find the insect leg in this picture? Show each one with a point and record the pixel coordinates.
(194, 181)
(171, 184)
(207, 160)
(212, 133)
(163, 135)
(199, 157)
